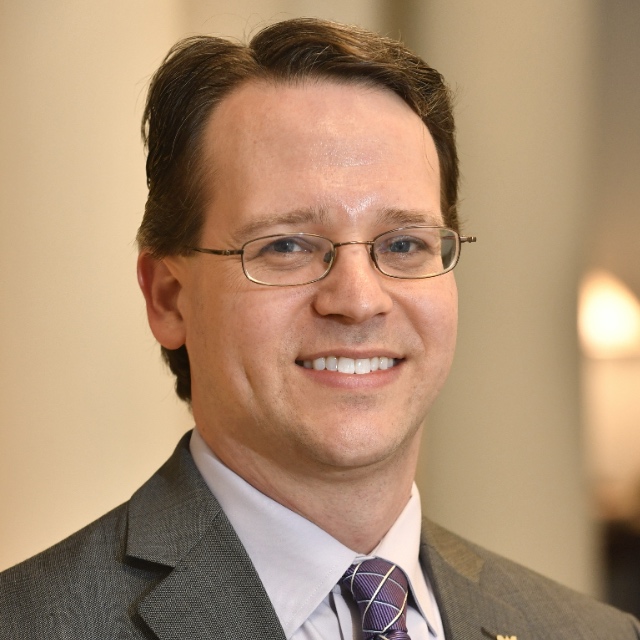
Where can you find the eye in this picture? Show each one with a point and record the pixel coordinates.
(289, 251)
(403, 244)
(287, 245)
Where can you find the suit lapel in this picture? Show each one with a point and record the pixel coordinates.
(214, 592)
(468, 611)
(212, 589)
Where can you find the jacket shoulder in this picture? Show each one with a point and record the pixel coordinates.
(551, 609)
(80, 579)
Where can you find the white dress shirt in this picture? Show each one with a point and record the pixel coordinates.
(300, 564)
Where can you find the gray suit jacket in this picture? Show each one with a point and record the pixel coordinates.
(168, 565)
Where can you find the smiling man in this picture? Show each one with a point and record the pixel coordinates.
(349, 162)
(296, 259)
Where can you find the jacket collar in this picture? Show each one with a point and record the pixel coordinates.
(207, 581)
(177, 527)
(459, 577)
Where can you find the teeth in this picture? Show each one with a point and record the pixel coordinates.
(363, 365)
(350, 365)
(346, 365)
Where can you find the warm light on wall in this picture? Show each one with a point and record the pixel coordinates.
(609, 328)
(608, 317)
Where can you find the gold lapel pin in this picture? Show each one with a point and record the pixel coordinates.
(498, 637)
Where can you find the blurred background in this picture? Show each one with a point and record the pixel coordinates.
(534, 447)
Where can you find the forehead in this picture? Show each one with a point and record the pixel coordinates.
(324, 145)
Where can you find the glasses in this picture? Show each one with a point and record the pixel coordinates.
(291, 259)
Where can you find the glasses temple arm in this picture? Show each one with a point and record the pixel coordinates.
(219, 252)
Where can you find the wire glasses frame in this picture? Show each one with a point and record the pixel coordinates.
(294, 259)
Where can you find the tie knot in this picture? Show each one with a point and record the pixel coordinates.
(380, 588)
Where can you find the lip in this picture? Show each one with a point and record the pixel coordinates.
(337, 380)
(356, 354)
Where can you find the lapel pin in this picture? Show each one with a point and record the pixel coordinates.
(497, 637)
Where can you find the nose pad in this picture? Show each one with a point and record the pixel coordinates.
(334, 254)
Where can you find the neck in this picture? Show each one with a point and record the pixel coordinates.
(357, 506)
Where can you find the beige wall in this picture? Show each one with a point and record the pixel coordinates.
(87, 411)
(503, 459)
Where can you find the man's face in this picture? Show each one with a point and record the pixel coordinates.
(347, 162)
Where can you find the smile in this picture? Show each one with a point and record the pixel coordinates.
(349, 365)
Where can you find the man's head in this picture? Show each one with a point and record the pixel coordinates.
(200, 73)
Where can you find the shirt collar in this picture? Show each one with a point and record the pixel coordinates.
(401, 546)
(294, 556)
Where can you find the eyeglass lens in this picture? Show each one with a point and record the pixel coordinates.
(299, 258)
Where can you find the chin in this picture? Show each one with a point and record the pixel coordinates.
(361, 446)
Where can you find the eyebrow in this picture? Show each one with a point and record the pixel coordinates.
(393, 217)
(299, 216)
(408, 217)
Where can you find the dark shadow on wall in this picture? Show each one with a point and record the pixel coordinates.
(622, 567)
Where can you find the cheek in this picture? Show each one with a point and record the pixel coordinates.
(436, 317)
(449, 311)
(436, 325)
(211, 318)
(447, 319)
(250, 327)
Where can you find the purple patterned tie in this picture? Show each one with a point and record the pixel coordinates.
(380, 589)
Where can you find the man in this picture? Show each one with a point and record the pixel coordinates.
(296, 260)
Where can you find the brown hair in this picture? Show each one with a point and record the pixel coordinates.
(199, 72)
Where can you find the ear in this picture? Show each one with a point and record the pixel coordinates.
(160, 282)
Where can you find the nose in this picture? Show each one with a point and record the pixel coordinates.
(354, 290)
